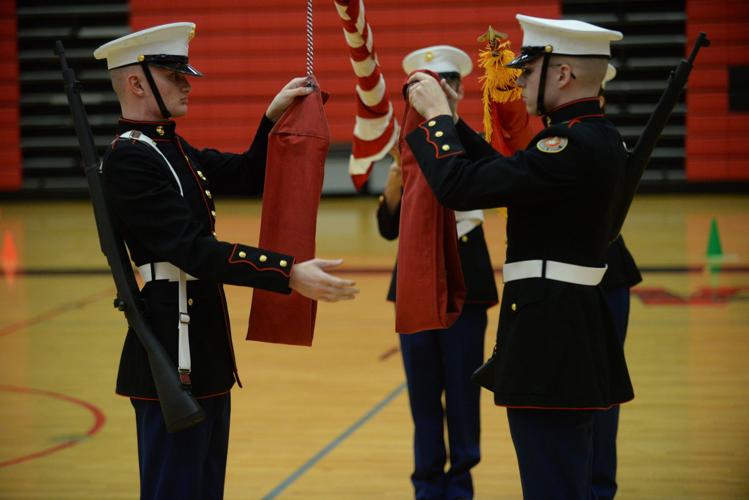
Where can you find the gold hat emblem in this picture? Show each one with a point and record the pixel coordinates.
(428, 56)
(160, 130)
(191, 35)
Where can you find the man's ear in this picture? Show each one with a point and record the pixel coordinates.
(135, 85)
(565, 75)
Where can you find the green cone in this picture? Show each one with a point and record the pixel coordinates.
(714, 248)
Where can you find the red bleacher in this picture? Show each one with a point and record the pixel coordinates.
(248, 49)
(716, 142)
(10, 140)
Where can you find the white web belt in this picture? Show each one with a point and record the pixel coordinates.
(552, 270)
(166, 271)
(467, 221)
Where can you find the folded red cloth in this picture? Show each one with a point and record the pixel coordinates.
(297, 148)
(430, 287)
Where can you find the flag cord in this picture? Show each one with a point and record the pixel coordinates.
(310, 41)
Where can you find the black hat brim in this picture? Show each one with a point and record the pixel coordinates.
(527, 54)
(183, 68)
(179, 64)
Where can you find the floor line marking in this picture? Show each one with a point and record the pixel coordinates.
(333, 444)
(57, 311)
(98, 414)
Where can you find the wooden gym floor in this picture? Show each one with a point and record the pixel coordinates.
(332, 421)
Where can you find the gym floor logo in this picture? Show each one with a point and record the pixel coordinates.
(704, 296)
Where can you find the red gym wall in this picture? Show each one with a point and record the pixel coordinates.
(248, 49)
(10, 140)
(716, 136)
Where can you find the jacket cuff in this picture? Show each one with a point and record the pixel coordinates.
(440, 133)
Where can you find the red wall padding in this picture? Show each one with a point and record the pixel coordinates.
(716, 137)
(10, 139)
(248, 49)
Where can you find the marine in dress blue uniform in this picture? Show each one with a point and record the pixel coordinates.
(621, 275)
(160, 191)
(441, 361)
(557, 359)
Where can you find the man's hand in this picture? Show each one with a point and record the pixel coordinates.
(453, 98)
(310, 279)
(427, 97)
(393, 187)
(295, 88)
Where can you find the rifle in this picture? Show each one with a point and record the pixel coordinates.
(179, 408)
(638, 158)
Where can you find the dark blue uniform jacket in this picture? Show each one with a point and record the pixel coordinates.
(158, 224)
(556, 343)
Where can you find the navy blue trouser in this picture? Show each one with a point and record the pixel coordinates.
(186, 465)
(442, 361)
(554, 450)
(606, 423)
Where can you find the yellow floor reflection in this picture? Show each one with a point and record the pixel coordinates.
(684, 436)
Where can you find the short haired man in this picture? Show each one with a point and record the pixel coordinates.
(160, 192)
(441, 362)
(558, 358)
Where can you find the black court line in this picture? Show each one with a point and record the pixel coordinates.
(56, 271)
(723, 268)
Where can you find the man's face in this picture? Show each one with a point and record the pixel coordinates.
(174, 88)
(528, 81)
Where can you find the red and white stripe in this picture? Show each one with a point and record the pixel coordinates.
(376, 129)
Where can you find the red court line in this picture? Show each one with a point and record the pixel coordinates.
(99, 420)
(57, 311)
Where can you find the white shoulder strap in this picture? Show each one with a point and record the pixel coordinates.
(137, 135)
(184, 363)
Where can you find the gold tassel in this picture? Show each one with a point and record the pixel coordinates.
(498, 84)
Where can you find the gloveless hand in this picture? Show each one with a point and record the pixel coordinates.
(426, 96)
(310, 279)
(297, 87)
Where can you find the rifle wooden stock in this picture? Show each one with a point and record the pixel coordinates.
(640, 155)
(179, 408)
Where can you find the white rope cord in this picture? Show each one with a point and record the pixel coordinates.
(310, 41)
